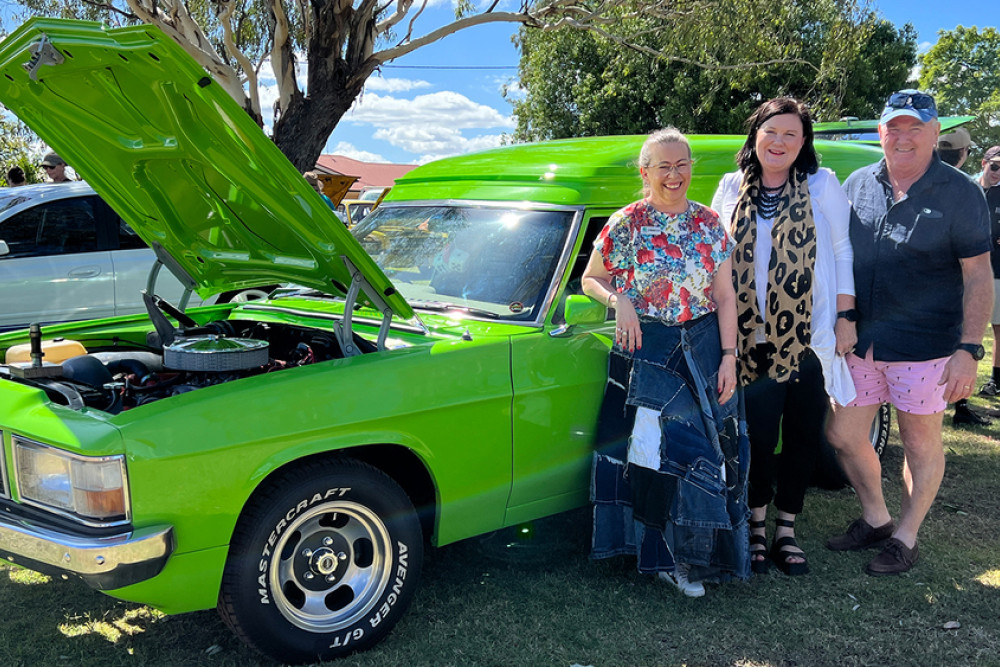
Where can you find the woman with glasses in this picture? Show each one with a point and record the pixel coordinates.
(670, 485)
(793, 274)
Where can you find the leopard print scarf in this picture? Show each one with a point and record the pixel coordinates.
(787, 322)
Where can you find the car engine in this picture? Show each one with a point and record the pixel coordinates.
(174, 361)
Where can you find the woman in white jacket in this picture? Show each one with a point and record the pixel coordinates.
(792, 268)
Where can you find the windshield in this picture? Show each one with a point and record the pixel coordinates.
(492, 262)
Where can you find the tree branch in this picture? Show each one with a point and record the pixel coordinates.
(225, 18)
(282, 59)
(178, 24)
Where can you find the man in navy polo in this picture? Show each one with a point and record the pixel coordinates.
(921, 237)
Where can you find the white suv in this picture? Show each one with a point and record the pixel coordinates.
(66, 255)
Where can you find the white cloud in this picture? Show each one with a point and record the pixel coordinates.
(391, 85)
(349, 150)
(434, 141)
(446, 108)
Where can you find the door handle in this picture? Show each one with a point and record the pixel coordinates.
(85, 272)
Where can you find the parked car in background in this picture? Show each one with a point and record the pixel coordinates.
(353, 211)
(66, 255)
(285, 460)
(373, 193)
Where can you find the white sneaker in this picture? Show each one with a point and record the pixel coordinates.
(679, 578)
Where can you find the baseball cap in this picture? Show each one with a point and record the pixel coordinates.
(956, 140)
(52, 160)
(992, 153)
(909, 102)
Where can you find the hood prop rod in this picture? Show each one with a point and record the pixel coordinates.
(344, 330)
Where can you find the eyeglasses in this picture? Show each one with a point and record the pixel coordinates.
(905, 100)
(666, 168)
(994, 166)
(48, 166)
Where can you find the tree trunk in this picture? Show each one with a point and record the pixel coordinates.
(338, 69)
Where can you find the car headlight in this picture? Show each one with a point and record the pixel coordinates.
(89, 488)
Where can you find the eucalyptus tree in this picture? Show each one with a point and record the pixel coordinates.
(705, 65)
(963, 72)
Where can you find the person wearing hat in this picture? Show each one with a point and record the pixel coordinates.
(55, 168)
(989, 180)
(953, 149)
(921, 238)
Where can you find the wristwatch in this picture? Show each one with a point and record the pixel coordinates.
(849, 315)
(977, 351)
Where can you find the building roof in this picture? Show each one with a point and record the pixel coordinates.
(370, 174)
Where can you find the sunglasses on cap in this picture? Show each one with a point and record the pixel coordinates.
(905, 100)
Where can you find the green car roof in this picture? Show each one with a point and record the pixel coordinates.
(590, 171)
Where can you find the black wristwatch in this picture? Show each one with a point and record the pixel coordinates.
(977, 351)
(850, 315)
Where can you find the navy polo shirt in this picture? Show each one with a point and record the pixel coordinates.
(907, 274)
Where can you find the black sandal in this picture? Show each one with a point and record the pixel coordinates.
(764, 564)
(780, 555)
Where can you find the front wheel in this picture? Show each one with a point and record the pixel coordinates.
(324, 561)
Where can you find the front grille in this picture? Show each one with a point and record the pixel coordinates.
(4, 486)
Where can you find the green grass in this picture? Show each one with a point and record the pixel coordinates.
(536, 599)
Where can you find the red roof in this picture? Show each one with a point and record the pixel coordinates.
(370, 174)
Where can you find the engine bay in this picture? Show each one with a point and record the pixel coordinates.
(114, 379)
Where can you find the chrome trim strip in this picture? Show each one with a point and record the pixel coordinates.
(4, 478)
(105, 563)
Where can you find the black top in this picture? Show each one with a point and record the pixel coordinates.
(907, 273)
(993, 202)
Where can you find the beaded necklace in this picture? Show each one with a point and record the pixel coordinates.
(768, 201)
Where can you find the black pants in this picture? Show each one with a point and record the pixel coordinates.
(796, 411)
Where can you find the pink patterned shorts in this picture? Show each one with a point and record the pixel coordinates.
(912, 386)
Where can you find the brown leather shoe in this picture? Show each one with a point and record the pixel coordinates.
(861, 535)
(894, 559)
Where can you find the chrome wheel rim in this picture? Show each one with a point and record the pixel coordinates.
(330, 566)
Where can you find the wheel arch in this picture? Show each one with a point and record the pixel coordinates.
(397, 461)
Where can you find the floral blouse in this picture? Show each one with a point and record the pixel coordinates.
(665, 263)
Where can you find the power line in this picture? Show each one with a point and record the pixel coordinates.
(447, 67)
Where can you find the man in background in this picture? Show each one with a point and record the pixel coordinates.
(953, 149)
(989, 181)
(55, 168)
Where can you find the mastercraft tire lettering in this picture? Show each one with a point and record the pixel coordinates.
(324, 562)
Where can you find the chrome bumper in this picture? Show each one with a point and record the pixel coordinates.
(105, 563)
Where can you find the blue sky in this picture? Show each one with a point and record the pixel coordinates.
(416, 109)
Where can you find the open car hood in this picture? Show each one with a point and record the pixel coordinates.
(179, 159)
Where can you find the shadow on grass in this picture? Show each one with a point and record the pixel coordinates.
(531, 596)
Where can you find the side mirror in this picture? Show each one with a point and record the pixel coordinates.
(4, 248)
(584, 310)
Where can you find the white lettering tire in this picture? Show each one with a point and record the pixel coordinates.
(324, 561)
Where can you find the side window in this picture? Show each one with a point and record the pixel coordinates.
(52, 228)
(127, 238)
(592, 227)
